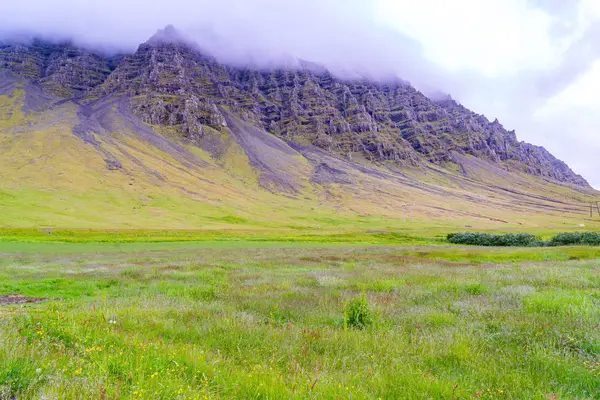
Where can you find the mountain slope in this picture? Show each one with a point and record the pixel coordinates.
(174, 84)
(169, 138)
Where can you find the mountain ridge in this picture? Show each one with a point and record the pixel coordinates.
(308, 105)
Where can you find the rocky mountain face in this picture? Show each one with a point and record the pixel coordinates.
(62, 69)
(169, 81)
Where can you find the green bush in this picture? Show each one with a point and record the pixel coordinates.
(524, 239)
(357, 313)
(487, 239)
(573, 238)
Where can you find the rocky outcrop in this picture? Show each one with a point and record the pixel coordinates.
(62, 69)
(170, 82)
(490, 141)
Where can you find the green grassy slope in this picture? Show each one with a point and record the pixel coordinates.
(243, 180)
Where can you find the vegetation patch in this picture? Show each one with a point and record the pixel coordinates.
(576, 238)
(524, 239)
(6, 299)
(165, 321)
(358, 314)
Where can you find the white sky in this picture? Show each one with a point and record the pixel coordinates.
(515, 42)
(533, 64)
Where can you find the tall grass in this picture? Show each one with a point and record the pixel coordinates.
(251, 323)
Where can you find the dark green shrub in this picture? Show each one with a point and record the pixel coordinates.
(487, 239)
(576, 238)
(524, 239)
(357, 313)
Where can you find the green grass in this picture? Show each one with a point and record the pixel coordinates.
(149, 236)
(254, 319)
(502, 255)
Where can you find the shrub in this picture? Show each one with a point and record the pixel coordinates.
(524, 239)
(487, 239)
(573, 238)
(357, 313)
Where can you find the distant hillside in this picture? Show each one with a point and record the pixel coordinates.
(167, 136)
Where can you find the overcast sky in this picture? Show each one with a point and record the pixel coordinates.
(533, 64)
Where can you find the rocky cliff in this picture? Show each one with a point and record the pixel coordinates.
(168, 81)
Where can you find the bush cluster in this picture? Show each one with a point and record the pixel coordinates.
(524, 239)
(572, 238)
(488, 239)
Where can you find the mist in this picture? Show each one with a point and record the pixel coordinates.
(342, 35)
(358, 38)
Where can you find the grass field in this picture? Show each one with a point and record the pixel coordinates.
(266, 319)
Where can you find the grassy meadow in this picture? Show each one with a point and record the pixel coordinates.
(265, 319)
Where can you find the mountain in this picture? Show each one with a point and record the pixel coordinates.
(233, 140)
